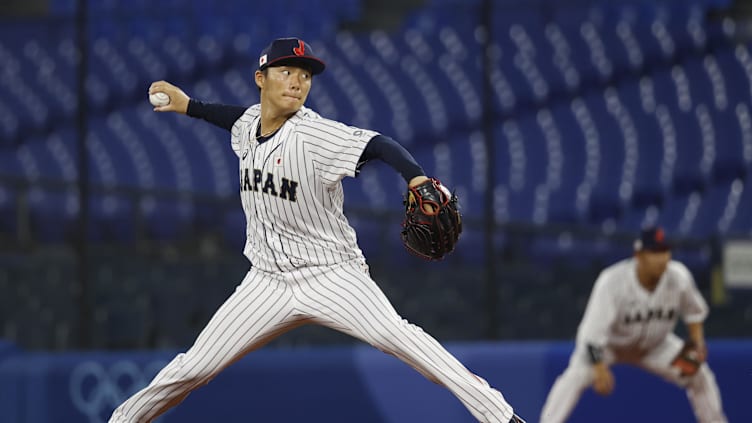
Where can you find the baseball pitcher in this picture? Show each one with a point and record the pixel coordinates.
(306, 264)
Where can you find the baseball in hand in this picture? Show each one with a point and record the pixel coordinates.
(159, 99)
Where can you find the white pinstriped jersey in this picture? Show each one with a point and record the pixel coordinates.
(621, 313)
(291, 191)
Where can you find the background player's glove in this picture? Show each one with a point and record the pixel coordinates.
(688, 361)
(432, 222)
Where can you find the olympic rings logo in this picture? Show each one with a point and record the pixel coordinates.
(97, 389)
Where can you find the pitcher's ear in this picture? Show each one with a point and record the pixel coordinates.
(259, 76)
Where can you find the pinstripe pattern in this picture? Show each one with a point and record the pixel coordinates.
(316, 153)
(342, 297)
(307, 268)
(348, 300)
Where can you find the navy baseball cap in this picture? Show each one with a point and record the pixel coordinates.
(652, 239)
(290, 51)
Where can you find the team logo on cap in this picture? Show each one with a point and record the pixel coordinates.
(262, 60)
(300, 49)
(659, 235)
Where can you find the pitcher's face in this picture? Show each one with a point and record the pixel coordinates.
(284, 88)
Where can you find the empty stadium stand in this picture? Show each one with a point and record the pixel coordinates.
(605, 117)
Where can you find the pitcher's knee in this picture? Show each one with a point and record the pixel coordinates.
(391, 338)
(188, 370)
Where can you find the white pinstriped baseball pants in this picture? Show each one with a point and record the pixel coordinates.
(342, 297)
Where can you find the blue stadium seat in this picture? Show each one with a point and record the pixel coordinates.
(370, 234)
(522, 56)
(536, 155)
(53, 215)
(617, 23)
(721, 31)
(654, 35)
(37, 160)
(448, 68)
(420, 87)
(575, 252)
(569, 22)
(179, 51)
(562, 57)
(637, 217)
(375, 85)
(10, 124)
(8, 212)
(649, 187)
(696, 259)
(11, 166)
(161, 165)
(730, 162)
(566, 203)
(700, 85)
(112, 219)
(741, 218)
(607, 198)
(735, 65)
(584, 138)
(525, 155)
(32, 109)
(167, 219)
(713, 205)
(348, 86)
(470, 248)
(463, 160)
(678, 211)
(109, 64)
(688, 174)
(146, 62)
(117, 155)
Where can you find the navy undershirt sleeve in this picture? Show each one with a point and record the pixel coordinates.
(392, 153)
(221, 115)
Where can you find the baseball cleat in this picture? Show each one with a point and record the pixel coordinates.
(516, 419)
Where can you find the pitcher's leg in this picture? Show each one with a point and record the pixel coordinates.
(348, 300)
(257, 311)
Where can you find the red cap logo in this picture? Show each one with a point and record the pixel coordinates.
(300, 49)
(659, 235)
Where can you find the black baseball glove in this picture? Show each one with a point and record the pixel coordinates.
(432, 222)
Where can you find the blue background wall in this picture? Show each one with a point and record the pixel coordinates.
(357, 384)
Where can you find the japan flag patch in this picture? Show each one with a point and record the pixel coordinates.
(262, 60)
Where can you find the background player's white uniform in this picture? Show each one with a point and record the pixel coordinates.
(307, 268)
(636, 326)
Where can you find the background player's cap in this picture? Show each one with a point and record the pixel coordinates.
(652, 239)
(284, 51)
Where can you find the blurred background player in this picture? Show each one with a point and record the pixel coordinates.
(630, 318)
